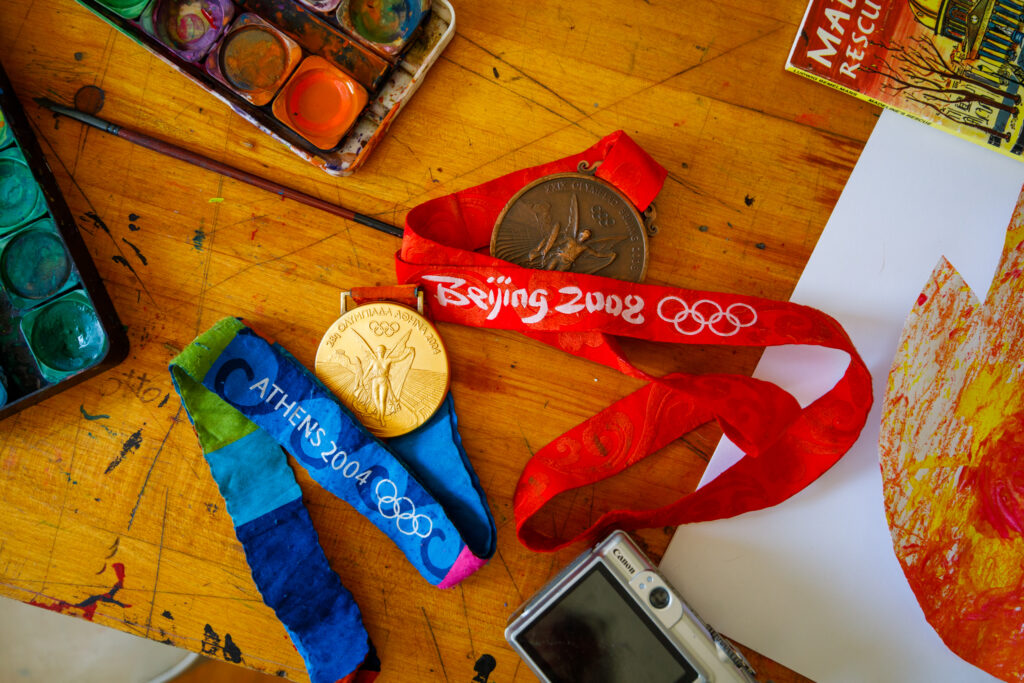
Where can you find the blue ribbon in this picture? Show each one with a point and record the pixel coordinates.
(247, 397)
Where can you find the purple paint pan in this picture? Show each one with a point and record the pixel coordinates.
(189, 28)
(254, 59)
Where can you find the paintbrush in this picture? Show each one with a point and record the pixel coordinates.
(213, 165)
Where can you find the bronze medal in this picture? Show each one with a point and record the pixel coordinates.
(387, 364)
(573, 222)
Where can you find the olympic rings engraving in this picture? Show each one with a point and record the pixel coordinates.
(708, 314)
(400, 515)
(386, 329)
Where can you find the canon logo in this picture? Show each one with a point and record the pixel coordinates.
(623, 561)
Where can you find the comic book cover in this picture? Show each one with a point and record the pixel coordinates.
(956, 64)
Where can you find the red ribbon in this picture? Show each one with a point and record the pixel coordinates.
(445, 250)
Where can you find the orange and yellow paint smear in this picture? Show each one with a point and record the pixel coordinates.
(952, 458)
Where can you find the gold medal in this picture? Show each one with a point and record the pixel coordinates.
(386, 363)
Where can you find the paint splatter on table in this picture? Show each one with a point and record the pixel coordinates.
(517, 86)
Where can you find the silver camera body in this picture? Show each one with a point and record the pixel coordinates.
(610, 617)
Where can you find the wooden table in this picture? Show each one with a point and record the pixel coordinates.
(111, 472)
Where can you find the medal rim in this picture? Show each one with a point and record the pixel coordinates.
(377, 432)
(577, 176)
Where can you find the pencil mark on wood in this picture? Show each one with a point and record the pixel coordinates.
(465, 614)
(159, 556)
(131, 384)
(156, 457)
(204, 284)
(704, 51)
(519, 94)
(511, 578)
(526, 75)
(434, 638)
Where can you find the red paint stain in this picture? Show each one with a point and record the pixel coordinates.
(921, 299)
(87, 608)
(998, 481)
(813, 120)
(252, 235)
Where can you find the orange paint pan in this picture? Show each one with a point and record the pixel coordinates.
(320, 102)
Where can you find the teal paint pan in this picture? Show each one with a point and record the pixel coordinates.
(65, 336)
(21, 196)
(57, 324)
(35, 265)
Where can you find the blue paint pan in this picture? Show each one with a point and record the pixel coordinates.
(57, 324)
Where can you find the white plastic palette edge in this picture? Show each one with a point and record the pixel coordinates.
(39, 646)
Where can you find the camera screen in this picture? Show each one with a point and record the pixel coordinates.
(596, 633)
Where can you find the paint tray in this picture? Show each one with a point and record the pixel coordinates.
(57, 325)
(389, 75)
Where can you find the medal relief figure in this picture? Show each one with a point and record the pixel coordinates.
(378, 375)
(569, 248)
(387, 365)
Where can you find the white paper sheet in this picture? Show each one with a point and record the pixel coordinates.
(814, 583)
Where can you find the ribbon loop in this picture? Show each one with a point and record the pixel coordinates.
(444, 249)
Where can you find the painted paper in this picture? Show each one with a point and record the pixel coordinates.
(951, 442)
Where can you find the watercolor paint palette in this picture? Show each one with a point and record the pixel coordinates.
(57, 325)
(325, 77)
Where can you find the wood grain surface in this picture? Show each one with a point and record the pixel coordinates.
(110, 471)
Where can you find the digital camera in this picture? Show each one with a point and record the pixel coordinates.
(610, 617)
